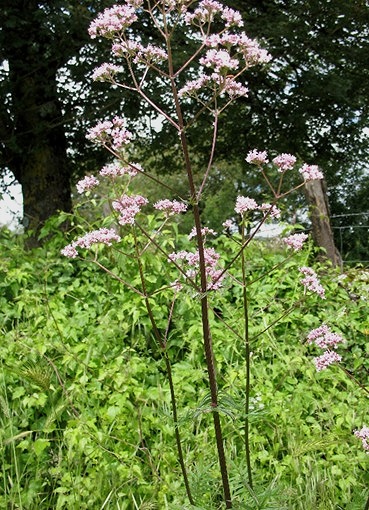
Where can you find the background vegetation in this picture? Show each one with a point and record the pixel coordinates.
(85, 412)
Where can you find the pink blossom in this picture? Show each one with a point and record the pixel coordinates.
(170, 207)
(134, 3)
(105, 72)
(124, 48)
(244, 204)
(220, 60)
(311, 281)
(112, 21)
(69, 251)
(271, 210)
(150, 54)
(326, 359)
(110, 133)
(231, 17)
(363, 434)
(115, 170)
(252, 52)
(208, 8)
(256, 157)
(225, 84)
(204, 12)
(191, 263)
(284, 162)
(128, 206)
(296, 241)
(324, 338)
(192, 86)
(204, 232)
(227, 224)
(87, 183)
(310, 172)
(103, 235)
(249, 48)
(234, 88)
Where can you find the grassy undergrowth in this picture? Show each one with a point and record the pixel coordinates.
(85, 419)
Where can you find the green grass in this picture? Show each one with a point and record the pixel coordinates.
(85, 419)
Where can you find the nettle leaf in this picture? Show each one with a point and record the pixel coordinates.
(40, 445)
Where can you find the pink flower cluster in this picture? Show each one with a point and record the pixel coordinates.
(269, 210)
(114, 170)
(206, 11)
(128, 206)
(145, 54)
(223, 83)
(311, 281)
(103, 236)
(105, 72)
(296, 241)
(204, 232)
(363, 434)
(310, 172)
(234, 89)
(170, 207)
(245, 204)
(110, 133)
(256, 157)
(220, 60)
(284, 162)
(190, 259)
(326, 359)
(325, 339)
(228, 224)
(87, 183)
(249, 48)
(113, 20)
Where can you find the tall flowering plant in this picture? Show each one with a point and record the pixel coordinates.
(209, 80)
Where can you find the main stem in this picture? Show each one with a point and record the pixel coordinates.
(247, 361)
(168, 366)
(207, 339)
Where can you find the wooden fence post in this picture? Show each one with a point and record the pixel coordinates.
(316, 195)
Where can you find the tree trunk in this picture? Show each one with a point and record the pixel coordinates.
(316, 195)
(39, 150)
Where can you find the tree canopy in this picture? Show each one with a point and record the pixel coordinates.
(311, 100)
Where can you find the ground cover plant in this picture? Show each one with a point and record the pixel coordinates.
(182, 371)
(85, 402)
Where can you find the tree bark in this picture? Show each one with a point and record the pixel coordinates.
(37, 142)
(316, 195)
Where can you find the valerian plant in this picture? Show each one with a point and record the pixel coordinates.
(208, 80)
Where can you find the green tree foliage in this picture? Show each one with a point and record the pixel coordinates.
(310, 101)
(42, 86)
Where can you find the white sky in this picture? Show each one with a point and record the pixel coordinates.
(11, 206)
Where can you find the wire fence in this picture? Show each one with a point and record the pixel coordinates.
(352, 230)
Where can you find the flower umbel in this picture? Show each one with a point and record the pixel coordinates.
(363, 434)
(296, 241)
(326, 359)
(256, 157)
(87, 183)
(311, 281)
(103, 236)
